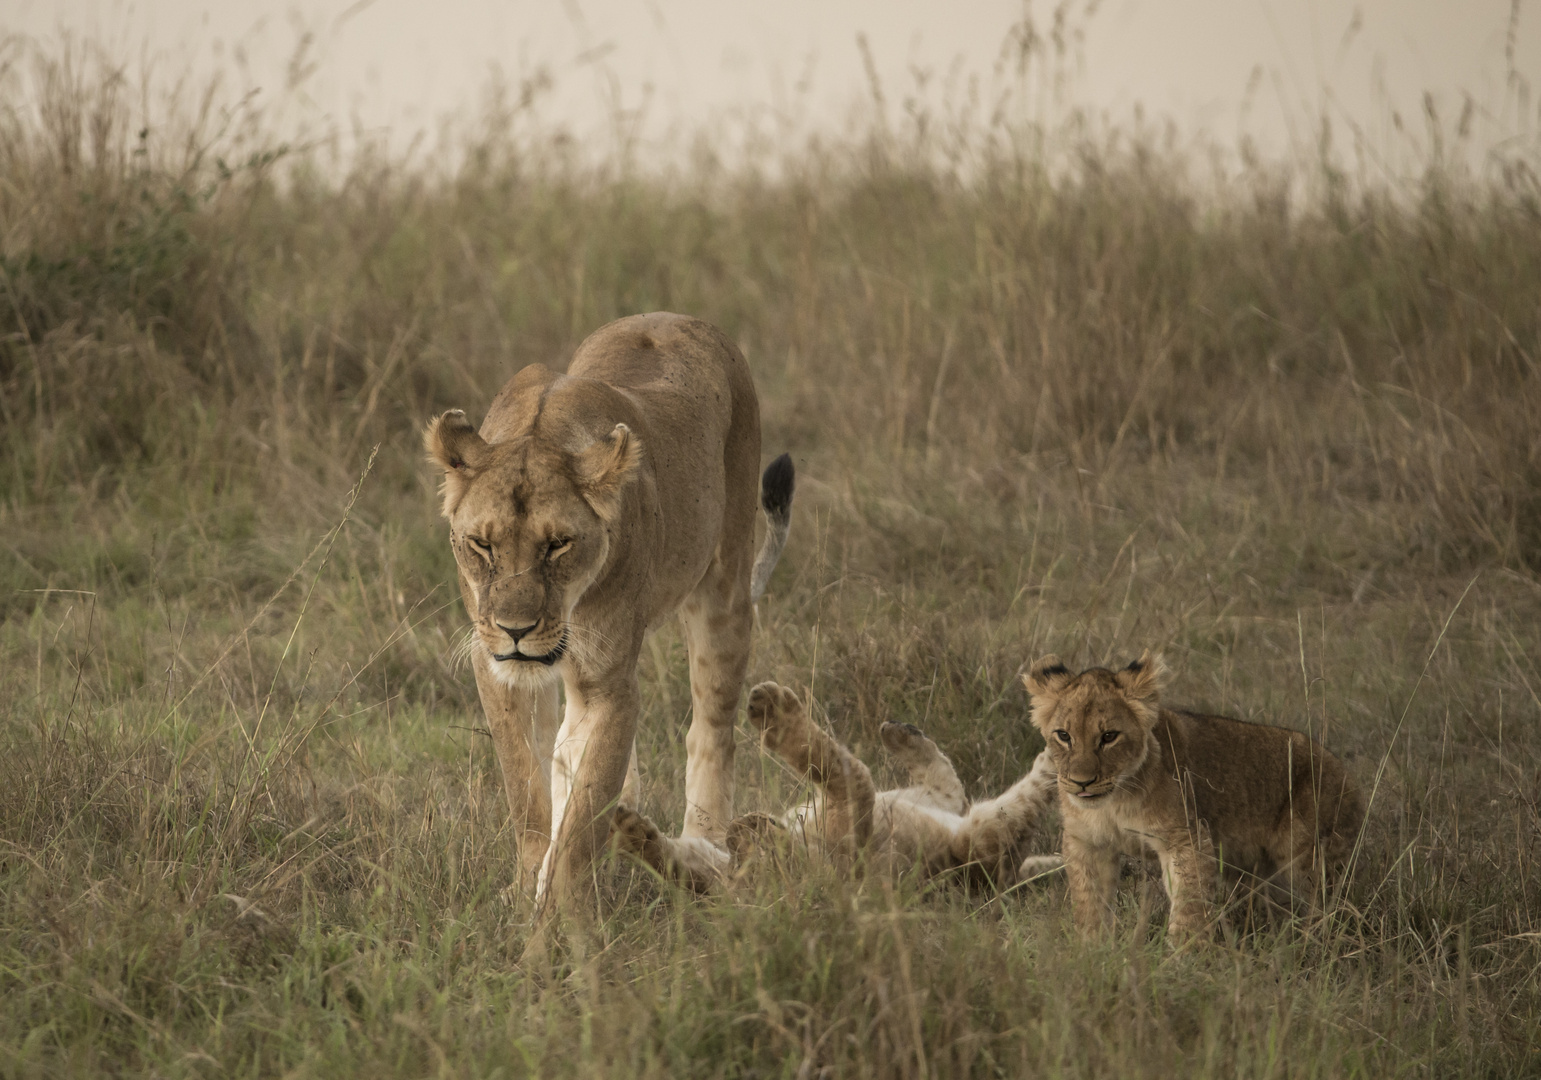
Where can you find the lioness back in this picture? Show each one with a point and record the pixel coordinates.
(697, 413)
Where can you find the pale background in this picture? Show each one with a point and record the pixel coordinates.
(1215, 68)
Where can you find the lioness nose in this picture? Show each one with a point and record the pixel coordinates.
(518, 632)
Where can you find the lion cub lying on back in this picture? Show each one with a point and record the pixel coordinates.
(929, 823)
(1137, 777)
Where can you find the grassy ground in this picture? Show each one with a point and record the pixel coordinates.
(1071, 400)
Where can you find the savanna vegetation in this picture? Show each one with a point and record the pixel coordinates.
(1048, 390)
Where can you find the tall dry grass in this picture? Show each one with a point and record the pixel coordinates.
(1047, 389)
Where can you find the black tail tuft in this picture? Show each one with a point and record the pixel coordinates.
(776, 485)
(776, 497)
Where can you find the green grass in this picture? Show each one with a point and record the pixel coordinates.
(1064, 399)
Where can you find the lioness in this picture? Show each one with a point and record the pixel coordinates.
(928, 824)
(590, 507)
(1189, 788)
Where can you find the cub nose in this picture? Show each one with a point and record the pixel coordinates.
(515, 633)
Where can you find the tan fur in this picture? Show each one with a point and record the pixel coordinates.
(589, 508)
(1191, 789)
(928, 823)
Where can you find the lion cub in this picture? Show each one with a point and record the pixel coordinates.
(1135, 777)
(929, 823)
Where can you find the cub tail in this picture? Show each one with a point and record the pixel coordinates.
(776, 485)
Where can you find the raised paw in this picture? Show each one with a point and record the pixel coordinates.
(908, 746)
(907, 743)
(773, 707)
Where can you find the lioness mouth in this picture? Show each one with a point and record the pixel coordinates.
(548, 659)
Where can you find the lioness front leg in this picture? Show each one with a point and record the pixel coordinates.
(523, 723)
(849, 793)
(1093, 872)
(588, 770)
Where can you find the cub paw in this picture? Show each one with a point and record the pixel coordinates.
(1035, 867)
(907, 743)
(632, 832)
(773, 707)
(747, 830)
(898, 736)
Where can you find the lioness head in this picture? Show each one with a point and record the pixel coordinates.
(528, 528)
(1098, 723)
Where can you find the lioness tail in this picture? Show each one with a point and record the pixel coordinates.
(776, 485)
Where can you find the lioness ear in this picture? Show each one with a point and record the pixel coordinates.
(605, 467)
(454, 446)
(1143, 679)
(1047, 677)
(452, 443)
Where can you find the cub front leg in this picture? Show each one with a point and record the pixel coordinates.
(849, 794)
(1188, 872)
(1092, 868)
(995, 830)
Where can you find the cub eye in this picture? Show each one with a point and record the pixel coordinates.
(1063, 736)
(1109, 736)
(557, 548)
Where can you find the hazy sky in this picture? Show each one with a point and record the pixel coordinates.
(1220, 67)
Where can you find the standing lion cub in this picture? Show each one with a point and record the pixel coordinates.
(1135, 777)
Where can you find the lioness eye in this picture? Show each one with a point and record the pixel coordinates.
(1063, 736)
(558, 547)
(1108, 736)
(480, 545)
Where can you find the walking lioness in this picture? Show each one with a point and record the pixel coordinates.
(1135, 777)
(589, 508)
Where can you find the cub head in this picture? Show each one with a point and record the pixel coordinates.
(528, 525)
(1098, 723)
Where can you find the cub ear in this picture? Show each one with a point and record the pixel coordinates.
(1047, 677)
(1143, 679)
(454, 446)
(605, 467)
